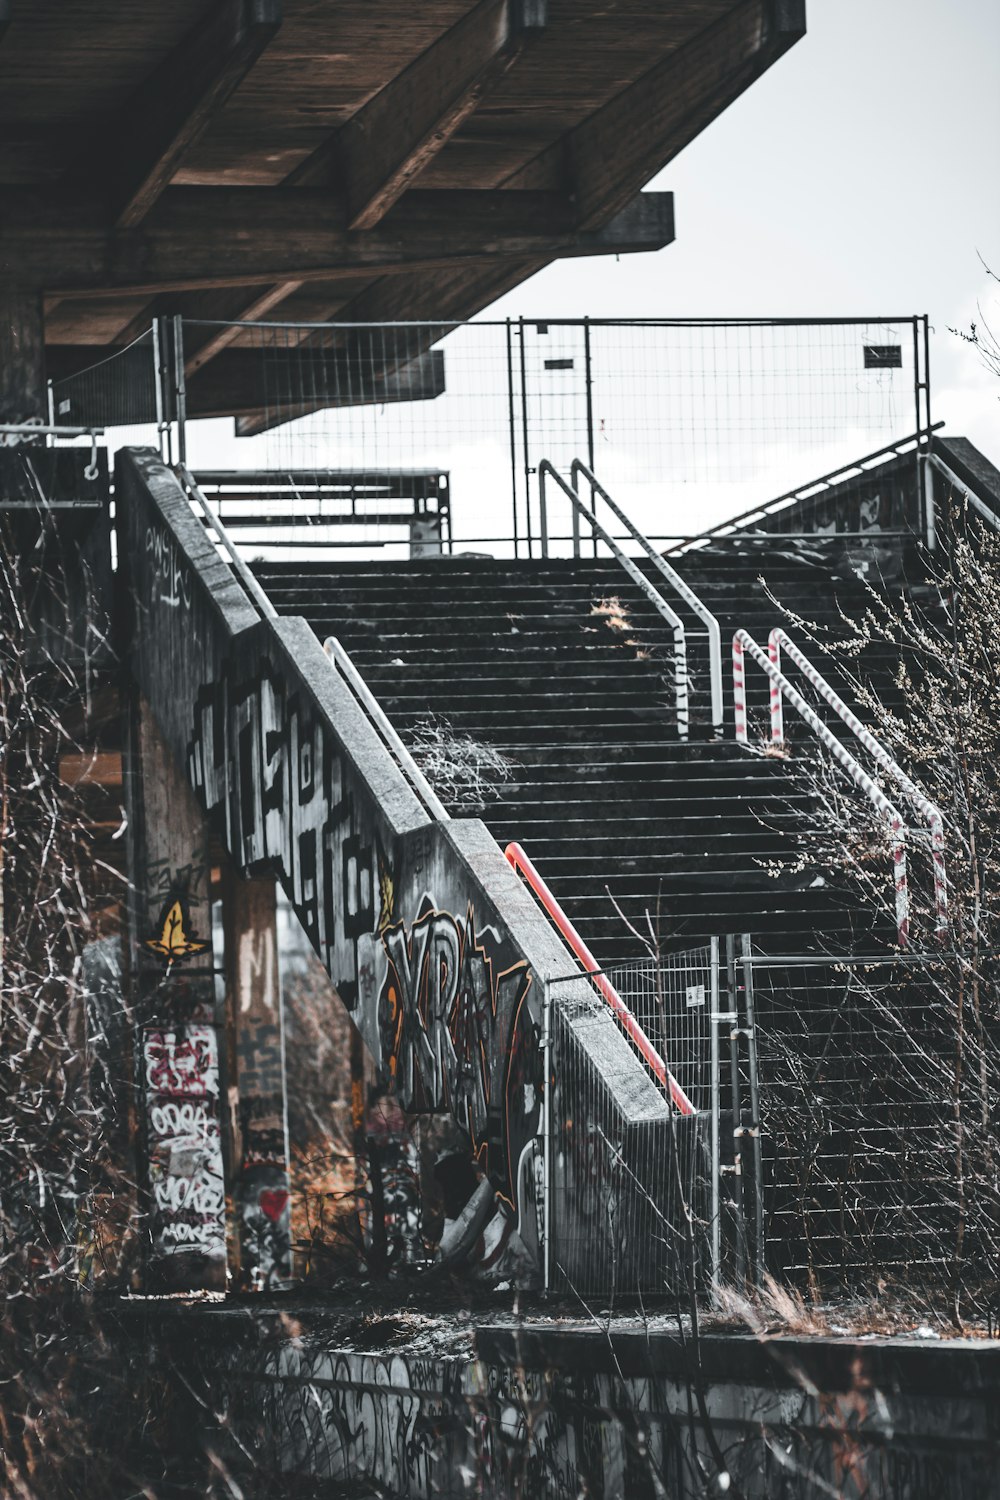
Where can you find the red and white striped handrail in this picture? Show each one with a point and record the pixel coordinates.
(935, 822)
(744, 641)
(520, 862)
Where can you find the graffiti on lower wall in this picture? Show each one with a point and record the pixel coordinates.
(263, 764)
(263, 1188)
(181, 1077)
(439, 994)
(455, 1034)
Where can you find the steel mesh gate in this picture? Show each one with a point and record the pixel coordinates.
(640, 1196)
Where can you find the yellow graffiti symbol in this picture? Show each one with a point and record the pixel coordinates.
(174, 945)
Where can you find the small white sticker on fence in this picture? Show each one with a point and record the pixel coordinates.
(695, 995)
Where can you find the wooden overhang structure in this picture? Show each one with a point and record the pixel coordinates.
(361, 160)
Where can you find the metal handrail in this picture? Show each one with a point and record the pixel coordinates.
(780, 638)
(239, 564)
(738, 524)
(336, 653)
(742, 641)
(523, 866)
(548, 470)
(990, 517)
(676, 582)
(340, 659)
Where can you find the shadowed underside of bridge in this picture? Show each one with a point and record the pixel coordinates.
(246, 159)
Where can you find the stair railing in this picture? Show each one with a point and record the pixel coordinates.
(743, 641)
(341, 662)
(523, 866)
(547, 470)
(676, 582)
(745, 523)
(935, 822)
(933, 461)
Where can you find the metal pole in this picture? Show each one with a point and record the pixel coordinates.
(715, 1237)
(158, 388)
(588, 369)
(180, 388)
(926, 469)
(524, 437)
(734, 1081)
(547, 1141)
(918, 429)
(543, 516)
(512, 425)
(758, 1163)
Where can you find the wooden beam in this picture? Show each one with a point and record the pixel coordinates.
(617, 150)
(22, 354)
(145, 143)
(435, 302)
(203, 344)
(217, 237)
(280, 383)
(382, 149)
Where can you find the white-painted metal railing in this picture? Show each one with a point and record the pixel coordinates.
(933, 462)
(676, 582)
(743, 641)
(779, 639)
(547, 470)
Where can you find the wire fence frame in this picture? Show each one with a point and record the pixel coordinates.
(670, 412)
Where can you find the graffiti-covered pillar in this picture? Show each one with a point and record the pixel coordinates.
(257, 1099)
(177, 1046)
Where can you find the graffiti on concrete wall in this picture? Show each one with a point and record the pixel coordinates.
(181, 1077)
(263, 1189)
(439, 995)
(174, 940)
(168, 571)
(263, 764)
(456, 1035)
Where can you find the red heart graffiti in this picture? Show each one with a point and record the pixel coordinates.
(272, 1202)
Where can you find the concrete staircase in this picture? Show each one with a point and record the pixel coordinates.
(565, 668)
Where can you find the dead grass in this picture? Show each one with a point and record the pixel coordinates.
(615, 613)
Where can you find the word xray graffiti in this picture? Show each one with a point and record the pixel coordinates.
(456, 1034)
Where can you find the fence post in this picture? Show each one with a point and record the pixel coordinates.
(180, 389)
(738, 1206)
(746, 950)
(715, 1228)
(547, 1140)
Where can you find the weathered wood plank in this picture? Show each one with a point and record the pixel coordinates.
(385, 146)
(618, 149)
(211, 237)
(145, 143)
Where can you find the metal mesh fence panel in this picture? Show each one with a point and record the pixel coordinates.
(120, 391)
(686, 422)
(671, 998)
(630, 1176)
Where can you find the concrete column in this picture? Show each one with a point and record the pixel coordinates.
(178, 1056)
(22, 354)
(258, 1104)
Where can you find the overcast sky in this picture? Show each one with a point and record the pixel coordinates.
(859, 175)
